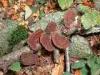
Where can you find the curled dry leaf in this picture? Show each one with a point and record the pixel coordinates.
(46, 42)
(77, 72)
(29, 59)
(10, 12)
(33, 40)
(88, 3)
(51, 27)
(60, 41)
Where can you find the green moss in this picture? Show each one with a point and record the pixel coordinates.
(17, 35)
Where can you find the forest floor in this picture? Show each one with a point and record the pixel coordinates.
(49, 37)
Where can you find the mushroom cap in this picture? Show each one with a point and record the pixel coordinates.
(69, 17)
(34, 40)
(46, 42)
(60, 41)
(29, 59)
(51, 27)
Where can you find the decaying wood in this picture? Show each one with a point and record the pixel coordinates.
(6, 60)
(59, 68)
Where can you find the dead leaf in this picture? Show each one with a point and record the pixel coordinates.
(5, 3)
(49, 7)
(59, 68)
(88, 3)
(77, 72)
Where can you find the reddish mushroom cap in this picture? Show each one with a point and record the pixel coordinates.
(46, 42)
(51, 27)
(29, 59)
(60, 41)
(33, 40)
(69, 16)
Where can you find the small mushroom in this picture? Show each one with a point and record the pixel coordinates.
(29, 59)
(62, 42)
(46, 42)
(52, 27)
(33, 40)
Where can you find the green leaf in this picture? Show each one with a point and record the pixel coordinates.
(93, 63)
(15, 67)
(98, 60)
(66, 73)
(64, 4)
(90, 19)
(78, 65)
(79, 47)
(34, 9)
(42, 14)
(84, 71)
(83, 8)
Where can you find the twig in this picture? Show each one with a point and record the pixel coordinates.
(67, 61)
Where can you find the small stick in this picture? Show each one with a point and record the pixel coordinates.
(67, 60)
(56, 54)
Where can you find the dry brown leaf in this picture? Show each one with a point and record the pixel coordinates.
(5, 3)
(59, 68)
(14, 17)
(77, 72)
(49, 7)
(35, 16)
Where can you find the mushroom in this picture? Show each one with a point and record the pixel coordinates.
(46, 41)
(62, 42)
(33, 40)
(52, 40)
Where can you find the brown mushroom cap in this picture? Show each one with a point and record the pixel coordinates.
(33, 39)
(29, 59)
(46, 42)
(51, 27)
(69, 17)
(60, 41)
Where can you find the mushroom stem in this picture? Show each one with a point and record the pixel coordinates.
(67, 61)
(56, 54)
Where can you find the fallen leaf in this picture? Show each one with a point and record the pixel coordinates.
(5, 3)
(15, 67)
(64, 4)
(77, 72)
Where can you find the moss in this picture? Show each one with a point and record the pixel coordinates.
(18, 35)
